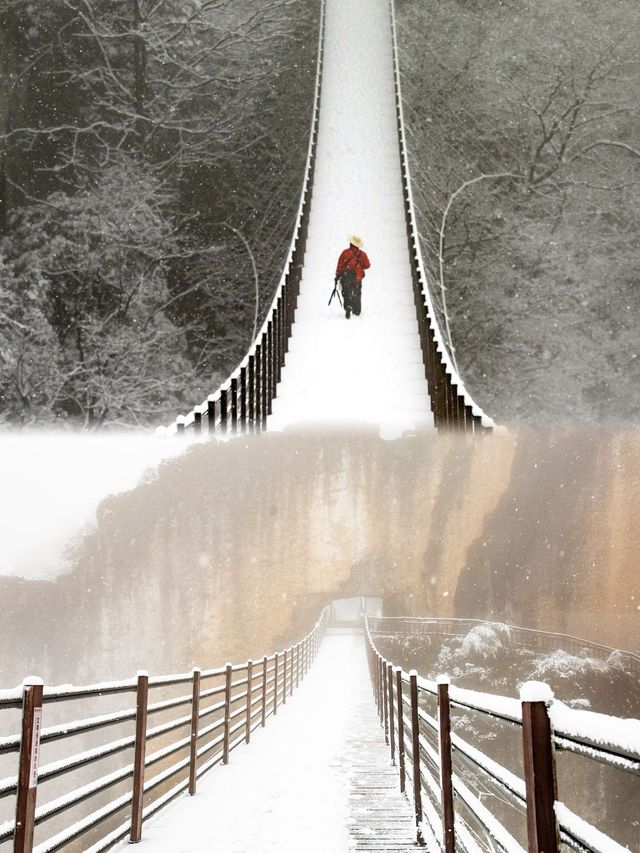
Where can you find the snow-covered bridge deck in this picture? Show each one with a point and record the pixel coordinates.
(319, 778)
(370, 368)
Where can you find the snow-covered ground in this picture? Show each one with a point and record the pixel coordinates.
(51, 485)
(367, 369)
(292, 788)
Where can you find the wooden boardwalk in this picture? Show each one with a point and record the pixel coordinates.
(318, 778)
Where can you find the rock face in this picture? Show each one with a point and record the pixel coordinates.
(233, 547)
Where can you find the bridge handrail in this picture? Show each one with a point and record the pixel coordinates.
(250, 693)
(607, 739)
(517, 635)
(451, 402)
(246, 395)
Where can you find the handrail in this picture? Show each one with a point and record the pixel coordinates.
(250, 693)
(517, 635)
(243, 401)
(451, 403)
(547, 725)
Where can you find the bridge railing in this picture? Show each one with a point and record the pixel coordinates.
(244, 400)
(154, 757)
(446, 808)
(543, 641)
(451, 403)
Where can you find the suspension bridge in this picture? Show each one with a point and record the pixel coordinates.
(390, 367)
(357, 753)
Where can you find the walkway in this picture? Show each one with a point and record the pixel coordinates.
(318, 778)
(368, 369)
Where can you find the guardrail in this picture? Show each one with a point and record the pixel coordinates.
(221, 709)
(451, 403)
(424, 747)
(544, 641)
(244, 400)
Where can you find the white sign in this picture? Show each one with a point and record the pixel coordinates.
(35, 747)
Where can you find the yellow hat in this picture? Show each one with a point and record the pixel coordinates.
(355, 241)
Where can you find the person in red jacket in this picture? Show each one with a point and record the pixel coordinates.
(350, 271)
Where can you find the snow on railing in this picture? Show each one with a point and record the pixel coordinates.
(547, 725)
(451, 403)
(244, 399)
(195, 742)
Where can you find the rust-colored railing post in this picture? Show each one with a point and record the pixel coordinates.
(539, 773)
(415, 750)
(27, 789)
(446, 769)
(195, 723)
(385, 698)
(392, 732)
(292, 675)
(247, 723)
(263, 717)
(400, 711)
(137, 804)
(275, 685)
(284, 678)
(227, 714)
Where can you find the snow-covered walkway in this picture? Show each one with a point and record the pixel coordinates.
(367, 369)
(318, 778)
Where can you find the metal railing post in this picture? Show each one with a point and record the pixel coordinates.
(446, 778)
(415, 751)
(211, 415)
(234, 404)
(142, 699)
(400, 707)
(297, 665)
(263, 717)
(385, 698)
(539, 777)
(227, 714)
(275, 685)
(284, 679)
(392, 733)
(247, 734)
(27, 788)
(243, 399)
(195, 722)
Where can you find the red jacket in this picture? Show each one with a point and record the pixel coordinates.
(353, 259)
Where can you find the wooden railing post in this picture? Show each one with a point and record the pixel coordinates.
(263, 717)
(293, 660)
(392, 732)
(27, 789)
(243, 399)
(247, 733)
(211, 414)
(224, 410)
(275, 685)
(380, 690)
(137, 804)
(195, 723)
(415, 750)
(446, 777)
(400, 707)
(197, 420)
(297, 665)
(234, 404)
(539, 772)
(227, 714)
